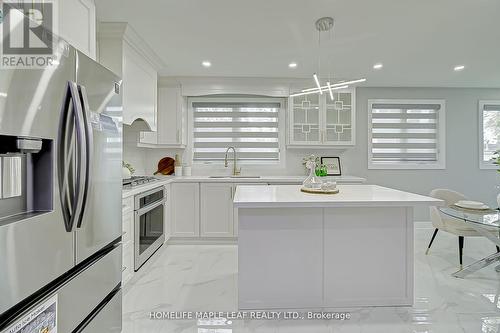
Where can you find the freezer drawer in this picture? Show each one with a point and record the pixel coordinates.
(89, 288)
(108, 318)
(79, 297)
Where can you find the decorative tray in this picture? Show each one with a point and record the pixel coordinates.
(319, 191)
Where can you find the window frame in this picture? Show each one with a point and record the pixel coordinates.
(483, 164)
(249, 165)
(441, 137)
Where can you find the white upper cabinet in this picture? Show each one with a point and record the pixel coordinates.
(77, 24)
(316, 120)
(125, 53)
(139, 88)
(171, 121)
(305, 127)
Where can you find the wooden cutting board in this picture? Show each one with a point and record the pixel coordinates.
(166, 166)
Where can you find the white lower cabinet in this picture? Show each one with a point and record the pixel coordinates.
(167, 211)
(185, 202)
(128, 261)
(216, 210)
(203, 211)
(127, 239)
(128, 226)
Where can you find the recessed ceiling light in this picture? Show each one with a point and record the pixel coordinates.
(292, 65)
(378, 66)
(459, 68)
(206, 63)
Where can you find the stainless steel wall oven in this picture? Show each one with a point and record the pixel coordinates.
(149, 230)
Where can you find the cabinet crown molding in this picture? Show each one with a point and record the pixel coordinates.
(123, 30)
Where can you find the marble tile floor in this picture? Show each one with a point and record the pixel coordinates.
(204, 278)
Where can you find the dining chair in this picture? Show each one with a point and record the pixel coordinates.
(452, 225)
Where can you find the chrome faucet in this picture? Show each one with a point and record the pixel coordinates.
(236, 171)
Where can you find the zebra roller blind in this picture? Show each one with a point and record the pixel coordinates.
(490, 122)
(250, 127)
(405, 132)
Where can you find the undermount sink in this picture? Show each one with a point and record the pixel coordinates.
(234, 177)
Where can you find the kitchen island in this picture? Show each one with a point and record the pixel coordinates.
(304, 251)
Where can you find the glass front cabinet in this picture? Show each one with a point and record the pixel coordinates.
(316, 120)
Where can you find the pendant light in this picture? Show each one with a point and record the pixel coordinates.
(325, 24)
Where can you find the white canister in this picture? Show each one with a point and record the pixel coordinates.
(178, 170)
(186, 170)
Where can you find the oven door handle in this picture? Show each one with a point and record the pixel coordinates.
(147, 209)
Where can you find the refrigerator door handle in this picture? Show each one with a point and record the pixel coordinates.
(69, 153)
(88, 137)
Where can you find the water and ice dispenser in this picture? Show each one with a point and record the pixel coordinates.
(26, 177)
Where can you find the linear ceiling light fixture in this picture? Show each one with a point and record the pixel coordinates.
(317, 84)
(340, 83)
(325, 24)
(316, 91)
(329, 90)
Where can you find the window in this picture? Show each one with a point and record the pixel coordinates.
(406, 134)
(489, 131)
(251, 125)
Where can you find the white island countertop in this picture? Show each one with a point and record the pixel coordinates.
(348, 196)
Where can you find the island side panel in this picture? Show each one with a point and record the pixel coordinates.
(280, 258)
(368, 256)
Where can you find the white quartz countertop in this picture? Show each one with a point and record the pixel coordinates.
(348, 196)
(163, 180)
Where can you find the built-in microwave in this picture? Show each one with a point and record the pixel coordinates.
(149, 229)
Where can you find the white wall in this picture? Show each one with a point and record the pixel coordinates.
(462, 171)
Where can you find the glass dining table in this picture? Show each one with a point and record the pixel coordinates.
(487, 224)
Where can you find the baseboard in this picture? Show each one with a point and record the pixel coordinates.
(201, 241)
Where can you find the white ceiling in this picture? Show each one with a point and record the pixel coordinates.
(418, 41)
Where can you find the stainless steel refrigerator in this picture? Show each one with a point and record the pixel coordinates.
(60, 200)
